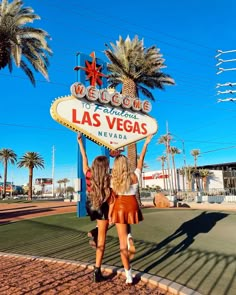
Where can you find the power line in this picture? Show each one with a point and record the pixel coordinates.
(134, 32)
(29, 126)
(226, 148)
(37, 80)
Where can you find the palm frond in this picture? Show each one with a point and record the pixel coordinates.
(31, 160)
(146, 92)
(27, 71)
(26, 46)
(131, 61)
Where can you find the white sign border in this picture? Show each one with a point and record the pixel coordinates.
(68, 124)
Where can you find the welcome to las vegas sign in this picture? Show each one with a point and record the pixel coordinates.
(108, 118)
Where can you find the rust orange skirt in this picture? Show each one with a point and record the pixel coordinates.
(126, 210)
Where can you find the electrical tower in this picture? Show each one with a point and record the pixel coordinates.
(226, 90)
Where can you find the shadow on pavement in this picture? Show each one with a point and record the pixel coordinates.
(173, 258)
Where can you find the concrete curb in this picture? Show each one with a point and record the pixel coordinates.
(164, 284)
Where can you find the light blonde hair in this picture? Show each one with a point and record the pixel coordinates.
(121, 175)
(100, 182)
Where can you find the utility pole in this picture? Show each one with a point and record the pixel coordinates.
(184, 160)
(53, 168)
(222, 62)
(168, 159)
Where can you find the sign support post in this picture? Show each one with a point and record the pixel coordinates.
(81, 204)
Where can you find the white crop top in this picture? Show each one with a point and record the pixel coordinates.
(133, 187)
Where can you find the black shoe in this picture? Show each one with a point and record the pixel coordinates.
(97, 275)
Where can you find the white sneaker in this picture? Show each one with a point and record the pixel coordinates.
(131, 247)
(129, 278)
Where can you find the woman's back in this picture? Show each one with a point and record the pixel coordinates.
(133, 188)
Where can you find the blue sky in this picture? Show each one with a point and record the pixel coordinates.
(188, 34)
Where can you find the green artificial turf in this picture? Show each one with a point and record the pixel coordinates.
(192, 247)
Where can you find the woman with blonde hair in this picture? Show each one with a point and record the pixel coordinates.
(98, 195)
(125, 209)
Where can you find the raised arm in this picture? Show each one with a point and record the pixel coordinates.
(143, 152)
(83, 153)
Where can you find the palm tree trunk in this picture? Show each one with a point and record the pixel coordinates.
(183, 178)
(164, 180)
(189, 180)
(167, 182)
(64, 188)
(129, 88)
(173, 162)
(5, 179)
(30, 183)
(195, 162)
(132, 155)
(168, 169)
(204, 180)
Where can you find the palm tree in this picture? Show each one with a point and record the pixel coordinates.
(183, 173)
(166, 139)
(189, 176)
(205, 174)
(65, 180)
(60, 182)
(31, 160)
(195, 153)
(136, 69)
(21, 43)
(6, 156)
(163, 160)
(174, 151)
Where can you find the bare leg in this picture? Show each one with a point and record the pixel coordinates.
(93, 235)
(123, 234)
(122, 231)
(131, 246)
(102, 230)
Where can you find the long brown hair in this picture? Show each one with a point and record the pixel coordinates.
(121, 175)
(100, 182)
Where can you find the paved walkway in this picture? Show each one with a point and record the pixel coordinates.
(36, 275)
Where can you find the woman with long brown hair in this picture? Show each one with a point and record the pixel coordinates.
(126, 210)
(98, 194)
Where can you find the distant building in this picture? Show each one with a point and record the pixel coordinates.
(223, 178)
(155, 178)
(11, 189)
(228, 173)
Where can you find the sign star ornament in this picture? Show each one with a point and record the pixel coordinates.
(105, 116)
(92, 71)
